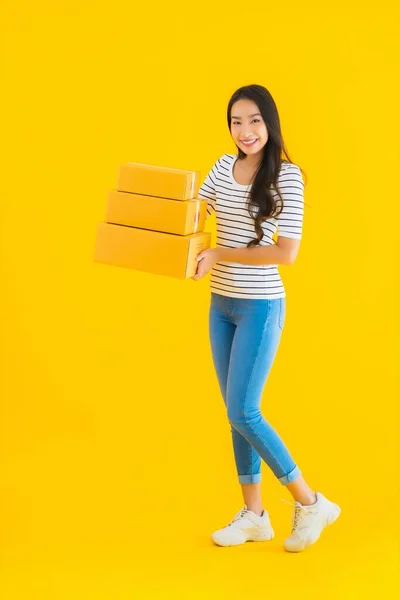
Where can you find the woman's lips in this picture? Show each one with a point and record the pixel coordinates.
(249, 143)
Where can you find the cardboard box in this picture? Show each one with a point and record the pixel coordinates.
(158, 214)
(162, 182)
(151, 251)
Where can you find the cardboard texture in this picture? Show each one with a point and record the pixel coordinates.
(151, 251)
(157, 214)
(163, 182)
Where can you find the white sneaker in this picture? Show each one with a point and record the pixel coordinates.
(245, 526)
(309, 521)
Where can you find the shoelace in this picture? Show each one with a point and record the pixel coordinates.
(238, 516)
(299, 511)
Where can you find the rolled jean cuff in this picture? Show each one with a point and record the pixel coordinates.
(294, 474)
(254, 478)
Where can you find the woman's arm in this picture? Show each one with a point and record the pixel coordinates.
(284, 252)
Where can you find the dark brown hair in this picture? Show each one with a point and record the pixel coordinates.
(274, 151)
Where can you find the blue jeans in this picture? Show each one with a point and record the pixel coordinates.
(244, 337)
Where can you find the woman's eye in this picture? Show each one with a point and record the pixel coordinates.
(235, 122)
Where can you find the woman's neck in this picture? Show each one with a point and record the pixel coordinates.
(252, 161)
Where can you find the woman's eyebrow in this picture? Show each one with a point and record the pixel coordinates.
(255, 114)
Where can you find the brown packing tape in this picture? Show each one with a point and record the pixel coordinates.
(196, 216)
(192, 182)
(199, 215)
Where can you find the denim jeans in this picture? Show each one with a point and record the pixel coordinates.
(244, 336)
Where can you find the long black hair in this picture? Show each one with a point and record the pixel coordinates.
(274, 151)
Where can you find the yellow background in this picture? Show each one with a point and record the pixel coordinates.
(116, 457)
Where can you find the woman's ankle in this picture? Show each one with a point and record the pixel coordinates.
(256, 510)
(309, 500)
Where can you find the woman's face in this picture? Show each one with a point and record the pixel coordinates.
(247, 125)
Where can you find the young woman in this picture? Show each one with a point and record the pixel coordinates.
(254, 193)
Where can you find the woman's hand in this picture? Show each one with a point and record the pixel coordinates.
(207, 259)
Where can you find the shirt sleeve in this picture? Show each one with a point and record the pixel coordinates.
(208, 188)
(291, 186)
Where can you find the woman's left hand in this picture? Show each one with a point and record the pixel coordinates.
(207, 259)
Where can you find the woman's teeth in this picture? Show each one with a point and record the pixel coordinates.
(249, 143)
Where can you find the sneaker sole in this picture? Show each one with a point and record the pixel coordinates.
(257, 537)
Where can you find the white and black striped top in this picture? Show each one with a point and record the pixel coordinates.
(235, 228)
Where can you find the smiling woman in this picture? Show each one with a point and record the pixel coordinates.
(256, 191)
(247, 135)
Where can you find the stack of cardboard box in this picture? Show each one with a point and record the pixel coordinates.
(154, 222)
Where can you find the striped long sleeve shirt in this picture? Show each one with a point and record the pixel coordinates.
(235, 228)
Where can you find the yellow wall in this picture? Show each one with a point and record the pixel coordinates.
(112, 422)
